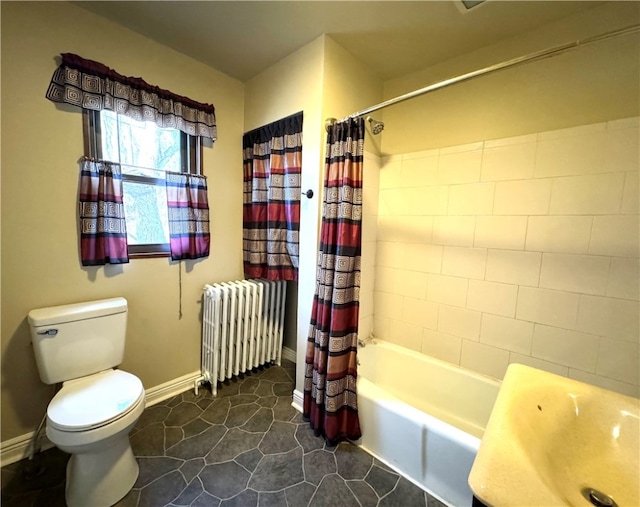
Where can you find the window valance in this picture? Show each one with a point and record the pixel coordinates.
(92, 85)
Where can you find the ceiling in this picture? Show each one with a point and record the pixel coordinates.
(392, 38)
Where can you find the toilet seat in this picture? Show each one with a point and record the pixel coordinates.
(94, 401)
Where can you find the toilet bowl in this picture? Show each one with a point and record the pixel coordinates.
(91, 416)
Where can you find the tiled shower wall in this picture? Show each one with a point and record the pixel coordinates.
(523, 249)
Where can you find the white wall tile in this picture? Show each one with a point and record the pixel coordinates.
(404, 229)
(534, 362)
(511, 266)
(577, 131)
(508, 334)
(420, 312)
(618, 360)
(562, 234)
(577, 154)
(381, 325)
(617, 235)
(484, 359)
(464, 262)
(406, 335)
(527, 197)
(448, 290)
(492, 297)
(547, 307)
(391, 255)
(605, 383)
(509, 161)
(387, 305)
(622, 151)
(613, 318)
(454, 231)
(630, 199)
(420, 172)
(423, 257)
(624, 278)
(471, 199)
(441, 346)
(394, 201)
(459, 167)
(412, 284)
(390, 173)
(383, 281)
(421, 154)
(459, 322)
(508, 141)
(583, 195)
(500, 232)
(571, 348)
(586, 274)
(366, 303)
(429, 200)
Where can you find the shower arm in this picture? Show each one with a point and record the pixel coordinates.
(538, 55)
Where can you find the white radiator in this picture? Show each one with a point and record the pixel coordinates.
(242, 327)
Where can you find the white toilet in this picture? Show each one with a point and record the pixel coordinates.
(91, 415)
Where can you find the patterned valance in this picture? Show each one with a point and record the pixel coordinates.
(92, 85)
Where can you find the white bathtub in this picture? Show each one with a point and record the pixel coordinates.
(423, 417)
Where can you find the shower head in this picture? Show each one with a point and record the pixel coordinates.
(376, 126)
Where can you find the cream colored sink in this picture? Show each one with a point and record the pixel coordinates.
(554, 441)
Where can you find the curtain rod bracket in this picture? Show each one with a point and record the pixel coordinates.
(329, 122)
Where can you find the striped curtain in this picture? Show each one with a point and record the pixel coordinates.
(272, 162)
(330, 398)
(103, 228)
(188, 209)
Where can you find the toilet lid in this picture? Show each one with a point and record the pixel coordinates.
(95, 400)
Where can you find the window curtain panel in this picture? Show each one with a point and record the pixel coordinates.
(330, 396)
(188, 209)
(92, 85)
(103, 228)
(272, 162)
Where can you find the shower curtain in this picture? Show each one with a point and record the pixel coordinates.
(330, 398)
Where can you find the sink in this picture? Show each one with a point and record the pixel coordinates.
(554, 441)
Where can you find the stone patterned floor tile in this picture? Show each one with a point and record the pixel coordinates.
(247, 447)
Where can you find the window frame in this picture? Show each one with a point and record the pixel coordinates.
(191, 161)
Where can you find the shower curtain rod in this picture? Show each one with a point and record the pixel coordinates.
(538, 55)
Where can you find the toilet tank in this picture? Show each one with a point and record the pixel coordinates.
(76, 340)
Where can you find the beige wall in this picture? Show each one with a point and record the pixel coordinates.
(295, 84)
(41, 145)
(323, 80)
(591, 84)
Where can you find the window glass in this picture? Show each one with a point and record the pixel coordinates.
(145, 152)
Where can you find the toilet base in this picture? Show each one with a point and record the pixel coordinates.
(101, 478)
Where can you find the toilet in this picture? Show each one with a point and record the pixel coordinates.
(90, 417)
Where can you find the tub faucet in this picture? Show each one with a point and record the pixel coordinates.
(361, 343)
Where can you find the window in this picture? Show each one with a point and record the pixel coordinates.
(145, 153)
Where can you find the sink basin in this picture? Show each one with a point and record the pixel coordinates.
(554, 441)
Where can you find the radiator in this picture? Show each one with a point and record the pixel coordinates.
(242, 327)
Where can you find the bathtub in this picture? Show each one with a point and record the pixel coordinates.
(423, 417)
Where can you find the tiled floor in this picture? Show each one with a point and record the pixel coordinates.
(245, 448)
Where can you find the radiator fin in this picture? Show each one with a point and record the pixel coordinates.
(242, 327)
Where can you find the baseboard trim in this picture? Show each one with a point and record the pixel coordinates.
(297, 402)
(17, 448)
(155, 395)
(289, 354)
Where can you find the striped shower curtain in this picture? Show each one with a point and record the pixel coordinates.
(272, 163)
(330, 398)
